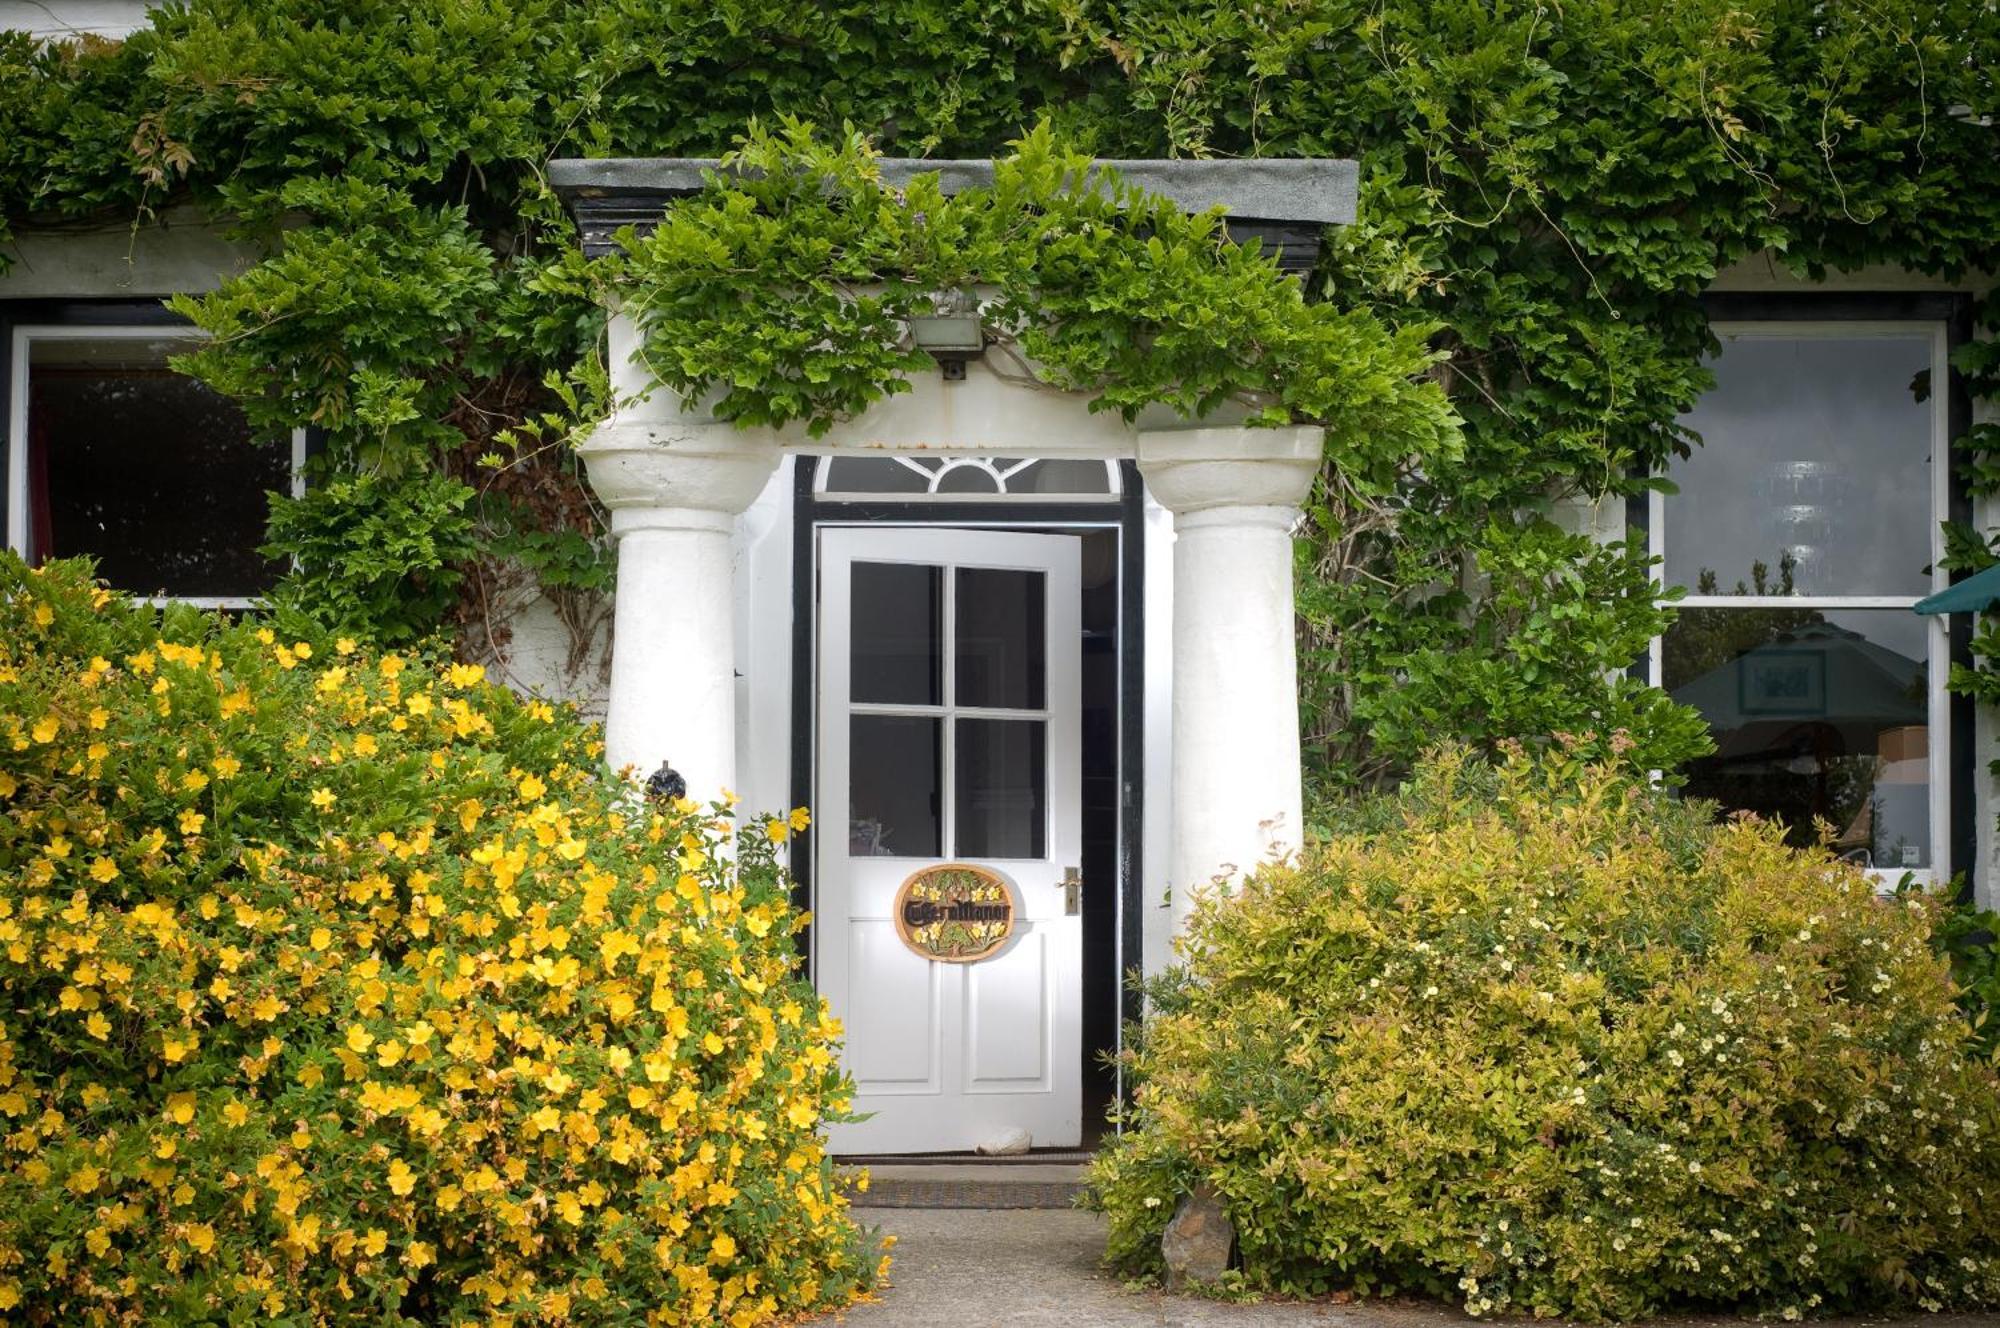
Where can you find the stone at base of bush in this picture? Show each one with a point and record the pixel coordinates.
(1196, 1244)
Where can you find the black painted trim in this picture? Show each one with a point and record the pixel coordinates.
(1132, 746)
(805, 634)
(1954, 310)
(1125, 513)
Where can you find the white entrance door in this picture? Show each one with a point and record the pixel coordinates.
(950, 731)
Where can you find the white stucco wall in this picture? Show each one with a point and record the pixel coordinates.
(535, 660)
(180, 251)
(764, 612)
(55, 20)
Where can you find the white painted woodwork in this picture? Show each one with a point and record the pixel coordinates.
(946, 1056)
(674, 492)
(1236, 773)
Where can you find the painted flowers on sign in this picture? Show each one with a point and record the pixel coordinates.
(954, 912)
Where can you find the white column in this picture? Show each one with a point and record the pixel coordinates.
(1235, 496)
(674, 480)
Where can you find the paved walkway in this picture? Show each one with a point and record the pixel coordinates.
(976, 1268)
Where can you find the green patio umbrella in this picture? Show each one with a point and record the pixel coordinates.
(1972, 595)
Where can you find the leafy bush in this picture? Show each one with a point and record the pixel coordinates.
(1969, 938)
(341, 988)
(1542, 1039)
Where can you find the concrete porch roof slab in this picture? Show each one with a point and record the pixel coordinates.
(1283, 202)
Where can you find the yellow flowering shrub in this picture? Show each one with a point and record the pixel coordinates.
(342, 988)
(1540, 1040)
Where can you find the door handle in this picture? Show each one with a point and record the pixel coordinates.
(1072, 887)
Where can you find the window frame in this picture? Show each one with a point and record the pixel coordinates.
(25, 322)
(1000, 468)
(1946, 317)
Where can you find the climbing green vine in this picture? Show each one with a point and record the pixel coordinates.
(1546, 190)
(783, 292)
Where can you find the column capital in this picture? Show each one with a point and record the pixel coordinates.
(1197, 470)
(643, 469)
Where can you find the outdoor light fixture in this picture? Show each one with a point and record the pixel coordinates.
(951, 340)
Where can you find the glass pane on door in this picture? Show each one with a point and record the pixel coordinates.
(1001, 639)
(896, 644)
(894, 769)
(1001, 788)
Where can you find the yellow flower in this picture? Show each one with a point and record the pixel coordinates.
(180, 1108)
(84, 1180)
(322, 798)
(236, 1114)
(401, 1179)
(800, 818)
(201, 1237)
(194, 781)
(192, 822)
(225, 767)
(104, 870)
(343, 645)
(365, 745)
(418, 704)
(99, 717)
(321, 938)
(46, 728)
(302, 650)
(98, 1026)
(711, 1044)
(531, 788)
(777, 831)
(359, 1038)
(722, 1249)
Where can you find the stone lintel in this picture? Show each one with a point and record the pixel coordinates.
(1282, 203)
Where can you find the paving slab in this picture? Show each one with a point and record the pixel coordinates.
(970, 1268)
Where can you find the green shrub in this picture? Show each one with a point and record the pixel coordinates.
(1542, 1040)
(1969, 938)
(341, 988)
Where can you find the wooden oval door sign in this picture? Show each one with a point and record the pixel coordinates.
(955, 912)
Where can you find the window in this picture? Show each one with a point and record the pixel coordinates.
(965, 477)
(1804, 529)
(112, 454)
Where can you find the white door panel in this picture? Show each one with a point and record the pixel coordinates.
(950, 665)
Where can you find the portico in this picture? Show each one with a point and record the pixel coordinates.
(721, 600)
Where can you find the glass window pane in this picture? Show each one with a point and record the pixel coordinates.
(1062, 476)
(1815, 715)
(146, 470)
(894, 764)
(1815, 468)
(1002, 642)
(969, 479)
(896, 646)
(1001, 786)
(872, 475)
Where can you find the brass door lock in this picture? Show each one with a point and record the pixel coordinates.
(1072, 884)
